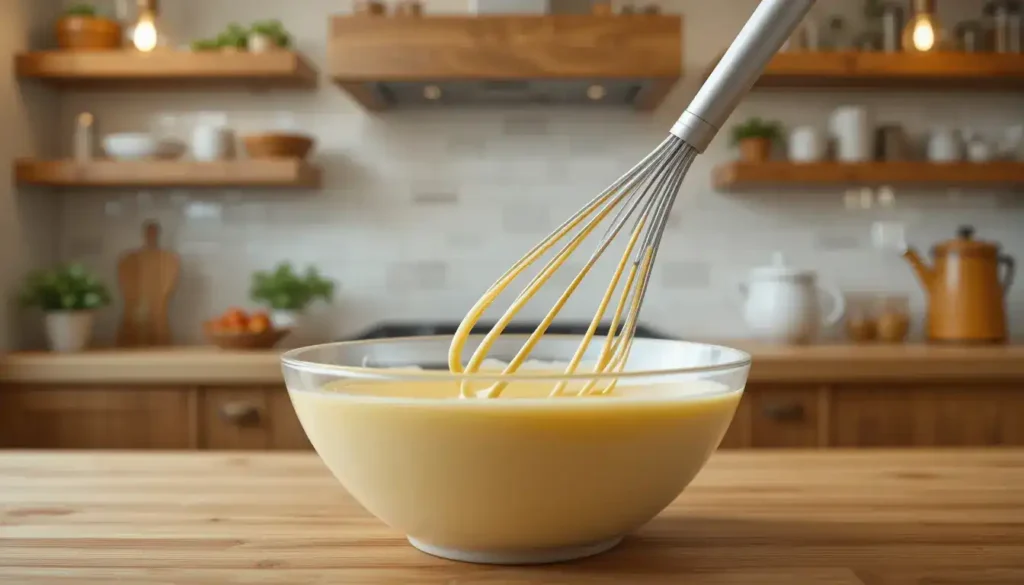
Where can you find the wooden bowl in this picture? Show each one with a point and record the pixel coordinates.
(278, 145)
(265, 340)
(81, 33)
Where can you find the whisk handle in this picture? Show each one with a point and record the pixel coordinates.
(764, 34)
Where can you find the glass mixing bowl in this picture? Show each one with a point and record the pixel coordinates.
(521, 478)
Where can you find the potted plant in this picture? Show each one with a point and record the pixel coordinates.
(287, 293)
(69, 296)
(83, 29)
(755, 138)
(268, 35)
(234, 38)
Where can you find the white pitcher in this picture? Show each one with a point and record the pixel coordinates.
(852, 130)
(782, 303)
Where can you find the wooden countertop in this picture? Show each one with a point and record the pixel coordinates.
(767, 517)
(816, 363)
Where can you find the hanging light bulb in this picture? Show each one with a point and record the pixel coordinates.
(923, 32)
(145, 35)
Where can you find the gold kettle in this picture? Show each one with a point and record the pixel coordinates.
(966, 294)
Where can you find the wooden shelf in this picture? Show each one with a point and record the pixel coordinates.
(738, 176)
(964, 71)
(266, 70)
(284, 173)
(383, 62)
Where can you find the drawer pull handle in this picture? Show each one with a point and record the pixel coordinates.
(792, 412)
(242, 414)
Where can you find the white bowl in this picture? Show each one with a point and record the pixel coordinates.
(131, 146)
(522, 478)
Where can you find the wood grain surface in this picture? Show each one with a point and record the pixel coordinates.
(173, 68)
(741, 176)
(366, 51)
(959, 71)
(288, 173)
(803, 518)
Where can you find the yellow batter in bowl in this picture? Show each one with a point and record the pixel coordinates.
(522, 478)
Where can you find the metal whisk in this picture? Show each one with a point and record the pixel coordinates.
(643, 196)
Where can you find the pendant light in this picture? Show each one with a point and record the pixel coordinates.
(923, 32)
(145, 35)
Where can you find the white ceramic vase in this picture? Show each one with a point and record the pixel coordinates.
(285, 319)
(806, 145)
(211, 142)
(261, 43)
(944, 146)
(852, 130)
(69, 331)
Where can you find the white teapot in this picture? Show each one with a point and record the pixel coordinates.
(781, 303)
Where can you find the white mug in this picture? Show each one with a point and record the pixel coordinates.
(806, 145)
(979, 151)
(944, 146)
(210, 143)
(851, 128)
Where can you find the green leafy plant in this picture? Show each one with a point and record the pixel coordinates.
(275, 30)
(64, 288)
(82, 9)
(235, 36)
(756, 128)
(205, 45)
(285, 289)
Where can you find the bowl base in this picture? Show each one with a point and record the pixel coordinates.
(517, 557)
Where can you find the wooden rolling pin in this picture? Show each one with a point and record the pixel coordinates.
(147, 277)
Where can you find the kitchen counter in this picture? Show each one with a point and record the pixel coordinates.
(816, 363)
(770, 517)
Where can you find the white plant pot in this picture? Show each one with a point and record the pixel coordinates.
(261, 43)
(285, 319)
(69, 331)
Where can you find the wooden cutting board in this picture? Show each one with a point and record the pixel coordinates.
(147, 278)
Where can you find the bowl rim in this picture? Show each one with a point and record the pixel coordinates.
(289, 359)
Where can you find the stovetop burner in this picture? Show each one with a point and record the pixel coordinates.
(421, 329)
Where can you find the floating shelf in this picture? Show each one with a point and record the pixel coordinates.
(563, 59)
(961, 71)
(284, 173)
(739, 176)
(75, 68)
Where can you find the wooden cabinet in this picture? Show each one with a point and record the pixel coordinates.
(777, 416)
(250, 418)
(927, 416)
(97, 418)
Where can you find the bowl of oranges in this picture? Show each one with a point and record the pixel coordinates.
(238, 329)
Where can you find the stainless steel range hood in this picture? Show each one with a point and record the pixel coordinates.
(630, 61)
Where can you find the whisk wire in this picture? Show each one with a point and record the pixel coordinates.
(461, 335)
(650, 188)
(644, 195)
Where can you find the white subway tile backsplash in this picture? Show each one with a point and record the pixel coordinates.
(422, 210)
(410, 277)
(681, 274)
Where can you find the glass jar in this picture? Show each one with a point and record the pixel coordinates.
(877, 316)
(892, 318)
(861, 325)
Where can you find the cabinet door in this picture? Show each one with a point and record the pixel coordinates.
(250, 419)
(927, 416)
(777, 416)
(97, 417)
